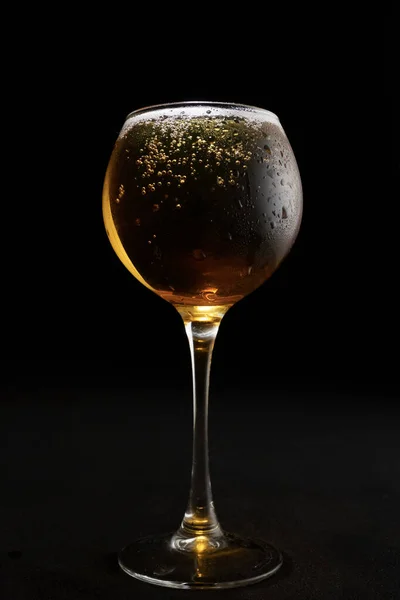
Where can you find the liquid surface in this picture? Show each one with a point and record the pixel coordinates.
(202, 206)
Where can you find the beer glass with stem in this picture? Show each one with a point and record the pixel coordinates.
(201, 202)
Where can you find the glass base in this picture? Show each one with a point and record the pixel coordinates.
(228, 562)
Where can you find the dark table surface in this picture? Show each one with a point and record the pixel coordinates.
(84, 470)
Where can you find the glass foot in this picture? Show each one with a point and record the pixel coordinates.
(173, 562)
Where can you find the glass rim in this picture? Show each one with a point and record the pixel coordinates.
(213, 103)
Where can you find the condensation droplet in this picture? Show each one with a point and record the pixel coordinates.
(284, 212)
(199, 254)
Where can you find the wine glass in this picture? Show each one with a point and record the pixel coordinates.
(201, 203)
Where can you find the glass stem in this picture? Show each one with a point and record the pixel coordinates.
(200, 518)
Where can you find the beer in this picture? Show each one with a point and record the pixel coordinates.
(202, 203)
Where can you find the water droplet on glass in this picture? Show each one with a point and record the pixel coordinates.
(199, 254)
(284, 213)
(156, 207)
(178, 206)
(282, 182)
(229, 236)
(137, 222)
(272, 224)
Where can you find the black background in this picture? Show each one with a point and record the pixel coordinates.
(81, 337)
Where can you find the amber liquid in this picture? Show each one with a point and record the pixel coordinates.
(202, 209)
